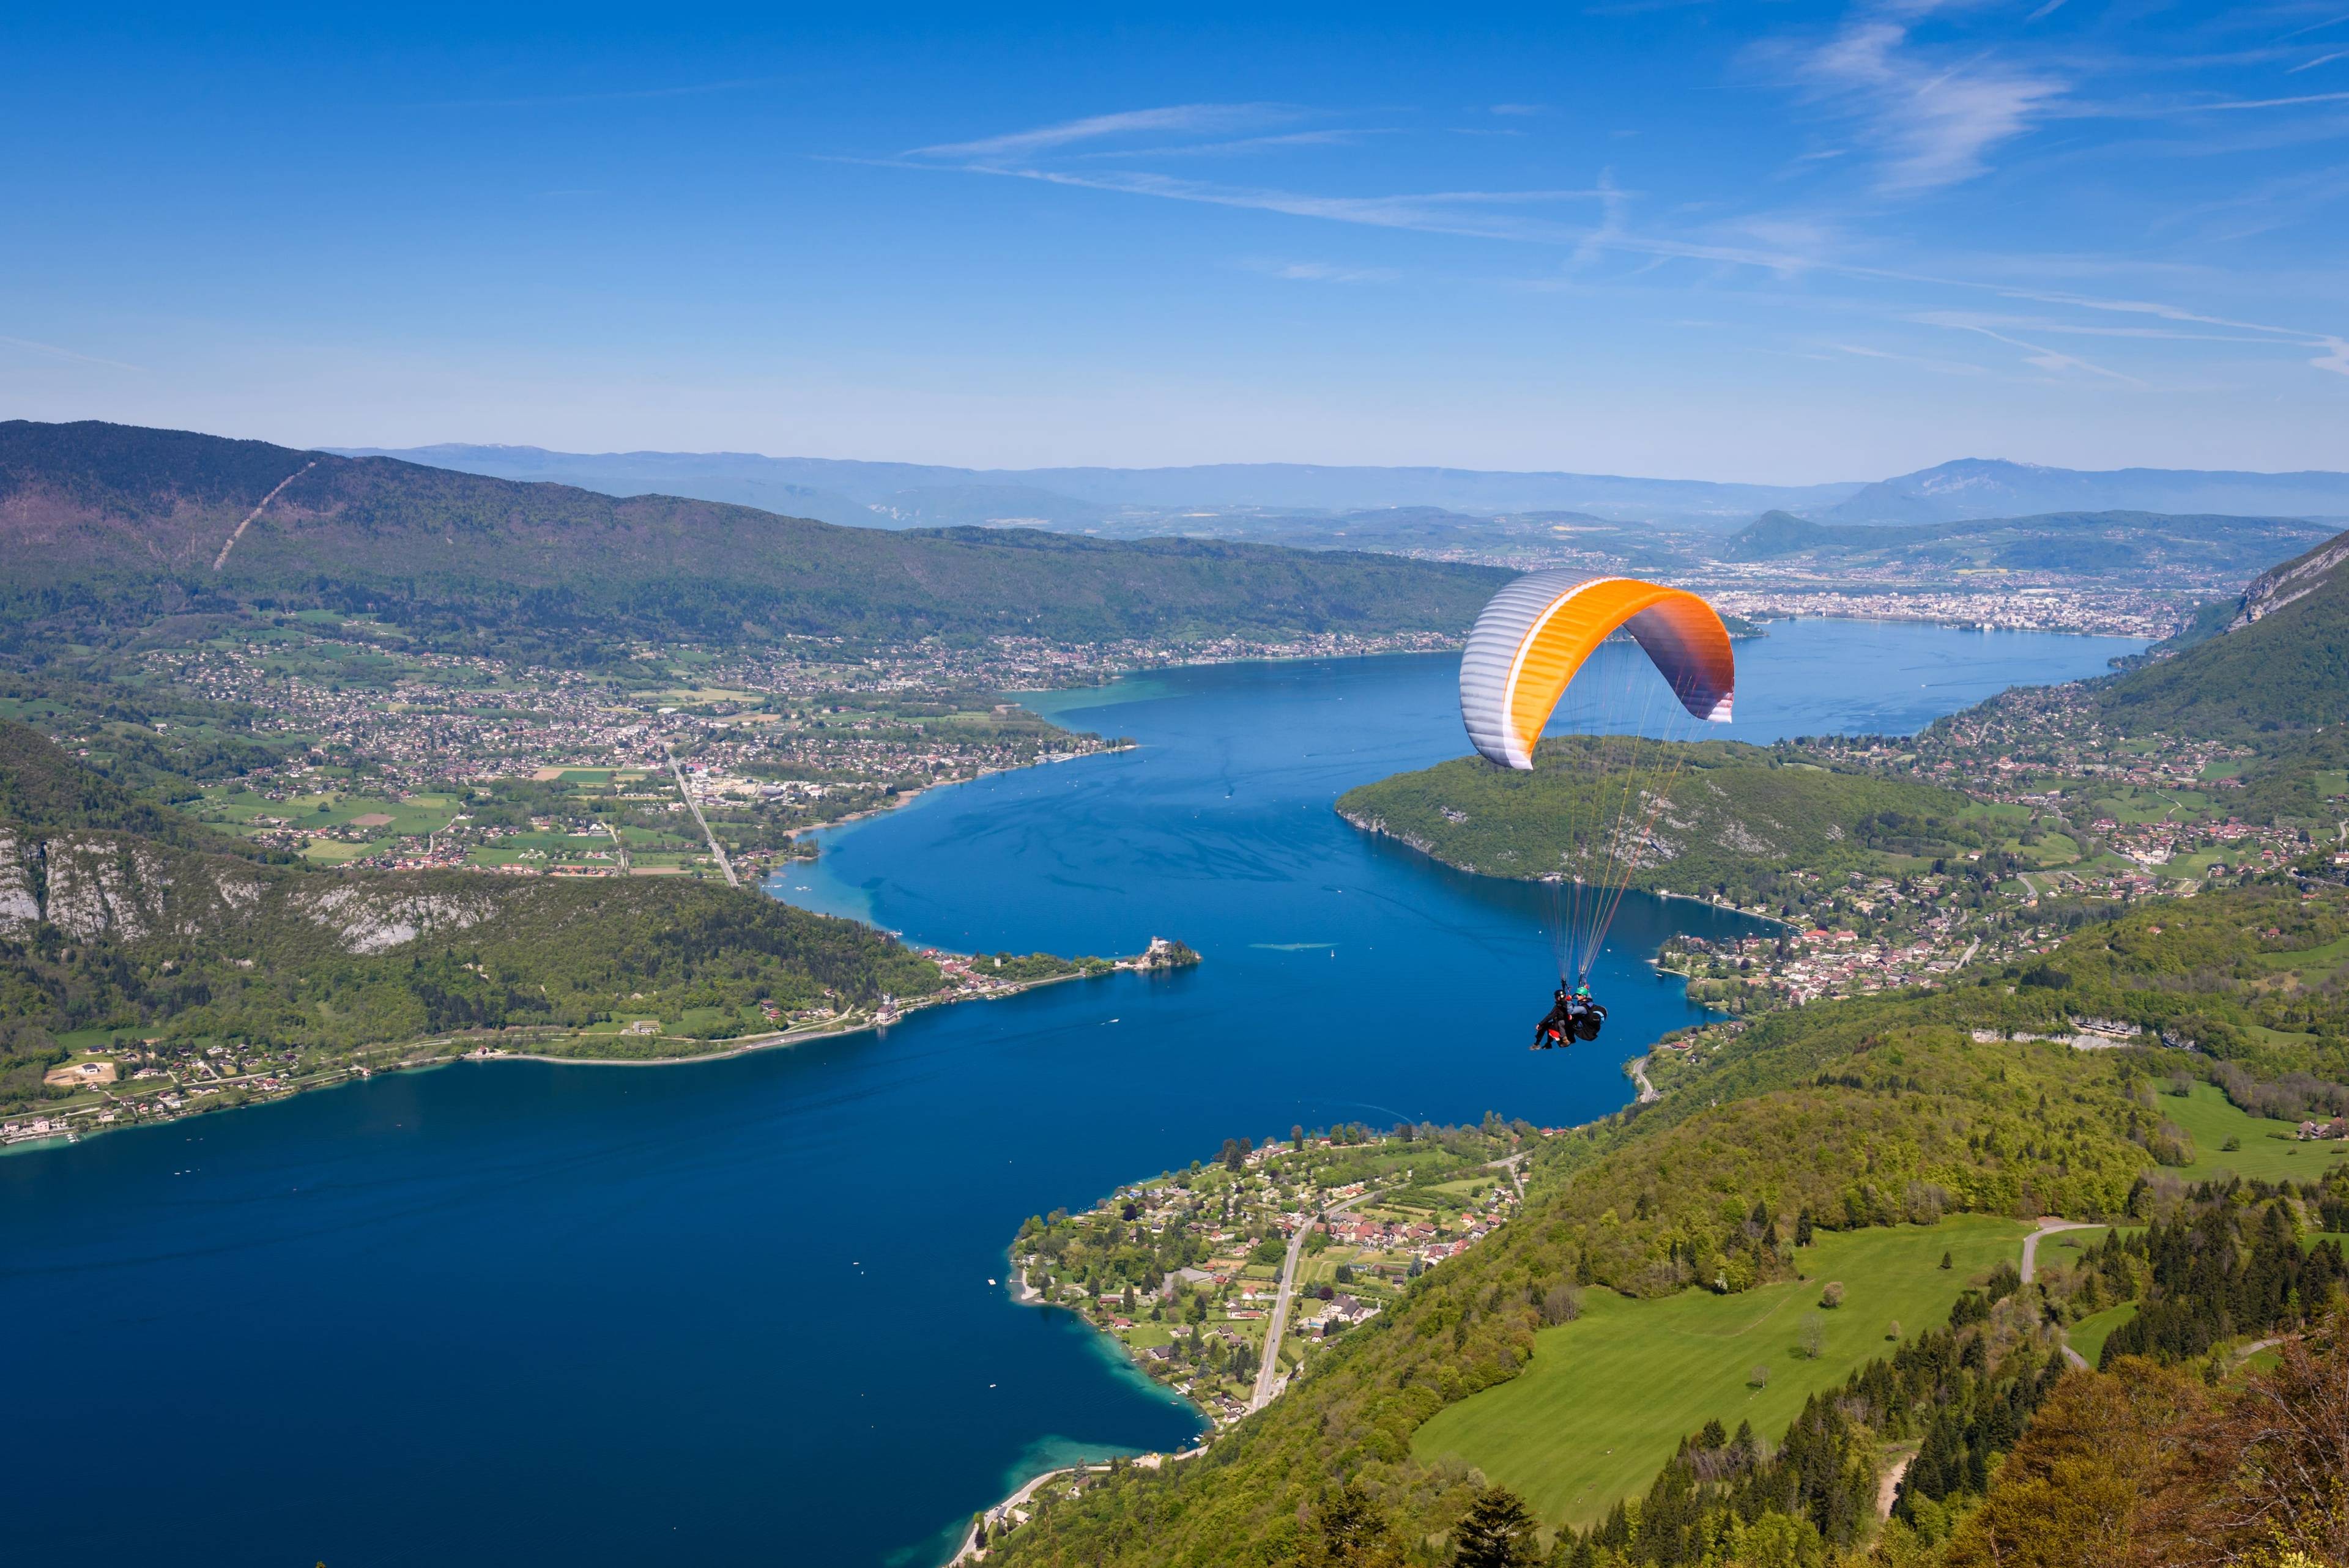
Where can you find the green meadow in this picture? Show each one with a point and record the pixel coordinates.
(2270, 1151)
(1608, 1398)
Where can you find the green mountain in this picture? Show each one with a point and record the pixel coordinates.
(2279, 663)
(2083, 544)
(120, 915)
(105, 527)
(1866, 1121)
(1729, 820)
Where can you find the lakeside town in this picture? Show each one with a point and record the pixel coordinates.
(1228, 1280)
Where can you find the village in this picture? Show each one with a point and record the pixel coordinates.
(1286, 1244)
(398, 757)
(1186, 1271)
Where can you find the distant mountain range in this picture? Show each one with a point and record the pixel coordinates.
(104, 526)
(1270, 501)
(918, 495)
(1988, 487)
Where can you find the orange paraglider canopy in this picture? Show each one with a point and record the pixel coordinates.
(1537, 632)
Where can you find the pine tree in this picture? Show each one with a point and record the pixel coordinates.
(1497, 1533)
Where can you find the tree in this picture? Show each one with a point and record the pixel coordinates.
(1496, 1532)
(1832, 1297)
(1815, 1335)
(1759, 1377)
(1296, 1136)
(1945, 1260)
(1234, 1154)
(1892, 1329)
(1349, 1530)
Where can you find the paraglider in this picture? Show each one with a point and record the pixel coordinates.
(1574, 1014)
(1538, 641)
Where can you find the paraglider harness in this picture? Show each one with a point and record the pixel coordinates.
(1574, 1014)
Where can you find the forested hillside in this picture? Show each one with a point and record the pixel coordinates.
(104, 528)
(116, 914)
(2279, 666)
(1736, 820)
(1843, 1118)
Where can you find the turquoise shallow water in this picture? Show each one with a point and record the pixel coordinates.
(742, 1310)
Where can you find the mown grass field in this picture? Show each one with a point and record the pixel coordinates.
(2087, 1337)
(2211, 1119)
(1609, 1396)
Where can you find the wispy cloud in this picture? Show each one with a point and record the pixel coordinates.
(2320, 60)
(2313, 27)
(1323, 273)
(1485, 214)
(2263, 103)
(1247, 144)
(2053, 359)
(1191, 118)
(1938, 366)
(54, 352)
(1931, 122)
(1934, 119)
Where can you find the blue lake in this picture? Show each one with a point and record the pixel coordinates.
(743, 1310)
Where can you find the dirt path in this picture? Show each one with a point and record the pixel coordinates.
(1888, 1490)
(221, 559)
(1648, 1095)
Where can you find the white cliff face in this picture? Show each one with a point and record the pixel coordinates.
(101, 887)
(20, 888)
(117, 887)
(368, 919)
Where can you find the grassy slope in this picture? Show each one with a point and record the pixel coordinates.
(104, 523)
(1912, 1106)
(2270, 1151)
(1605, 1400)
(1738, 814)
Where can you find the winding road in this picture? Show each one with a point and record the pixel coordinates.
(2048, 1226)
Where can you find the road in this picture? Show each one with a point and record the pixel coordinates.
(2048, 1226)
(1267, 1376)
(703, 822)
(1648, 1095)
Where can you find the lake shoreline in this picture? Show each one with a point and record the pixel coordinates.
(1137, 964)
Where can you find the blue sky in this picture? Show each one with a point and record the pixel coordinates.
(1766, 242)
